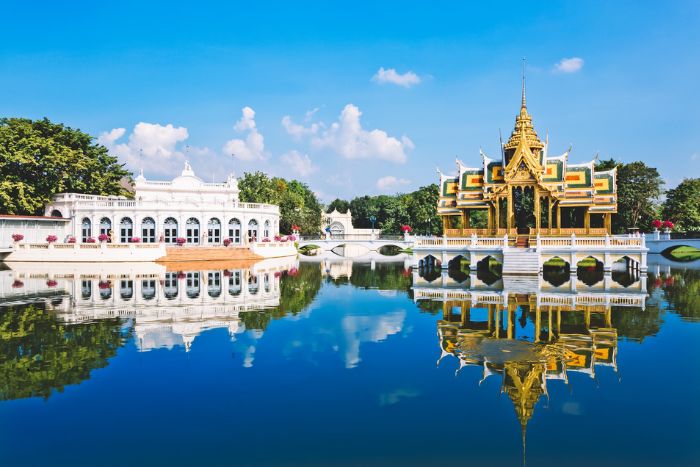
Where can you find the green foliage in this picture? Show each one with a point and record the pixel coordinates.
(638, 190)
(417, 209)
(682, 205)
(296, 293)
(338, 204)
(39, 159)
(298, 204)
(38, 354)
(682, 290)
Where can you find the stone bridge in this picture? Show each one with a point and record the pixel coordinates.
(658, 242)
(351, 246)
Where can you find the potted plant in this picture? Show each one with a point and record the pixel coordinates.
(17, 284)
(103, 238)
(227, 241)
(135, 240)
(17, 237)
(227, 273)
(104, 285)
(71, 239)
(90, 240)
(51, 238)
(266, 240)
(181, 275)
(51, 283)
(668, 226)
(656, 223)
(180, 241)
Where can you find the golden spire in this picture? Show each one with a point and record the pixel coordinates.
(523, 104)
(524, 130)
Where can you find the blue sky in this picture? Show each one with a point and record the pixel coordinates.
(161, 82)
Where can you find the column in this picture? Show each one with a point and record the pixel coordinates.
(608, 222)
(587, 221)
(538, 215)
(559, 217)
(465, 219)
(497, 224)
(549, 214)
(509, 218)
(538, 323)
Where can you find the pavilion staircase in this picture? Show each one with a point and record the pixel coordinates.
(522, 259)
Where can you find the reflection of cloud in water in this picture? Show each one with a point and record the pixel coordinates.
(572, 408)
(395, 396)
(358, 329)
(387, 293)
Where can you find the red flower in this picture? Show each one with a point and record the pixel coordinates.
(51, 283)
(51, 238)
(104, 285)
(293, 272)
(227, 273)
(278, 274)
(656, 223)
(135, 240)
(89, 240)
(71, 240)
(17, 284)
(406, 229)
(180, 241)
(103, 238)
(181, 275)
(227, 241)
(17, 237)
(295, 227)
(668, 225)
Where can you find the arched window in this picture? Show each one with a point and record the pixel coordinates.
(234, 283)
(126, 289)
(234, 230)
(126, 230)
(85, 229)
(148, 289)
(148, 230)
(214, 231)
(253, 286)
(170, 230)
(266, 230)
(214, 284)
(253, 230)
(105, 226)
(192, 231)
(170, 284)
(192, 284)
(56, 213)
(86, 289)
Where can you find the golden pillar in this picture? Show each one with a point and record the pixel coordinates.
(587, 220)
(549, 215)
(465, 219)
(445, 224)
(538, 323)
(510, 209)
(497, 224)
(538, 215)
(558, 216)
(608, 222)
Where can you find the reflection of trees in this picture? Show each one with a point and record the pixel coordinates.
(385, 276)
(682, 290)
(39, 354)
(635, 323)
(296, 293)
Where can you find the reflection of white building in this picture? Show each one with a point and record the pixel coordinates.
(340, 224)
(168, 309)
(187, 207)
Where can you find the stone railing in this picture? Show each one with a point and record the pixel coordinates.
(606, 242)
(462, 242)
(86, 252)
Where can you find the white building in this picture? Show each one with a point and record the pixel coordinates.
(339, 224)
(186, 207)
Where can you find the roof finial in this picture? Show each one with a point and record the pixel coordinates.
(523, 105)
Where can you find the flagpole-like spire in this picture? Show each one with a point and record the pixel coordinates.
(523, 104)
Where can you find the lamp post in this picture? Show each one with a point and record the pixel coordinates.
(372, 219)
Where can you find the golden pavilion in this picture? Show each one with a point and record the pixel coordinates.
(527, 191)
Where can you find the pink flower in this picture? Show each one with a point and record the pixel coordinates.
(227, 241)
(51, 238)
(104, 285)
(135, 240)
(180, 241)
(17, 237)
(51, 283)
(266, 240)
(89, 240)
(17, 284)
(71, 240)
(103, 238)
(227, 273)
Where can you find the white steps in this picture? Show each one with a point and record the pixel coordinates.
(521, 261)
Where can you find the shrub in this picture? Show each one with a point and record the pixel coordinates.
(266, 240)
(17, 237)
(135, 240)
(104, 285)
(227, 241)
(227, 273)
(51, 283)
(51, 238)
(89, 240)
(180, 241)
(103, 238)
(17, 284)
(71, 239)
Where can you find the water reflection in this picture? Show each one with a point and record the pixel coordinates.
(339, 331)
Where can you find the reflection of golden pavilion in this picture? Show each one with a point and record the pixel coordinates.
(559, 345)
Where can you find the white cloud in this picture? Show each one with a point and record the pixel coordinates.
(406, 80)
(390, 182)
(297, 131)
(299, 163)
(569, 65)
(694, 157)
(251, 148)
(150, 146)
(347, 138)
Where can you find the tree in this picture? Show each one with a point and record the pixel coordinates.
(298, 204)
(682, 205)
(39, 158)
(338, 204)
(638, 190)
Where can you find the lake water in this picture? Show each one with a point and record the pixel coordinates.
(341, 363)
